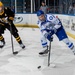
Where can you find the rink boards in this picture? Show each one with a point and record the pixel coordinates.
(30, 20)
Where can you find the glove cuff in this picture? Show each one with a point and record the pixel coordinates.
(55, 30)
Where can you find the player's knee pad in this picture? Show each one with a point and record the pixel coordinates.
(15, 34)
(43, 41)
(68, 43)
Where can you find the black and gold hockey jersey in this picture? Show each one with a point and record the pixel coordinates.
(6, 18)
(6, 15)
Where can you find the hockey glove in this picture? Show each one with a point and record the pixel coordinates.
(47, 35)
(50, 33)
(10, 19)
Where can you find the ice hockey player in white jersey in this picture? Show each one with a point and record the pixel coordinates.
(50, 25)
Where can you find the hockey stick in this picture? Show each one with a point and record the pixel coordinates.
(49, 53)
(49, 63)
(14, 52)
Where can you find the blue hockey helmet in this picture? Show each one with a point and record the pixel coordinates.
(40, 12)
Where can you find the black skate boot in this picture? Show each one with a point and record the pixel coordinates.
(22, 46)
(44, 51)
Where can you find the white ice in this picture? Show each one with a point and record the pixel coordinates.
(27, 61)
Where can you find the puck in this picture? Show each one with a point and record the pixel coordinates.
(39, 67)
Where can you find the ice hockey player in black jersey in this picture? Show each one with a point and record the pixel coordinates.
(6, 19)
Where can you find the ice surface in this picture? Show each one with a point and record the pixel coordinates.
(27, 61)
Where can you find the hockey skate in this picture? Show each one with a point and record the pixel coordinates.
(2, 44)
(45, 51)
(74, 50)
(22, 46)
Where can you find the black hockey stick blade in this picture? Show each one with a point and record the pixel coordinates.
(16, 52)
(43, 53)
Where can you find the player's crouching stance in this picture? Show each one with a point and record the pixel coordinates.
(50, 25)
(6, 19)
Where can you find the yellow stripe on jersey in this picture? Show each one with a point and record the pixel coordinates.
(1, 37)
(11, 18)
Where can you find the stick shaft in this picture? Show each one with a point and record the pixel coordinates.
(49, 53)
(11, 38)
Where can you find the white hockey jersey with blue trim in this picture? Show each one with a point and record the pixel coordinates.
(50, 22)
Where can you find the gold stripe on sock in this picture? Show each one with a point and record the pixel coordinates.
(1, 39)
(17, 38)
